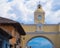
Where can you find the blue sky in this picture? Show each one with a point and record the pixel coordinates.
(40, 42)
(23, 10)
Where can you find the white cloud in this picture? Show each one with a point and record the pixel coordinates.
(55, 17)
(51, 16)
(4, 7)
(26, 9)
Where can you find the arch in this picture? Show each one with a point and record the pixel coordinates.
(41, 37)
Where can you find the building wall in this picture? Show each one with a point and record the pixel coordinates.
(45, 28)
(36, 21)
(52, 37)
(4, 42)
(49, 31)
(29, 28)
(12, 31)
(59, 27)
(51, 28)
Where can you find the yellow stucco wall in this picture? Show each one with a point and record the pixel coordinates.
(29, 28)
(51, 28)
(45, 28)
(54, 37)
(36, 14)
(59, 27)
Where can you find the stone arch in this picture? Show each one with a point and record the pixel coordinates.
(42, 37)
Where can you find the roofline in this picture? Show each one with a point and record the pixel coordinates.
(17, 26)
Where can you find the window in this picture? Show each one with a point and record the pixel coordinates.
(6, 45)
(1, 43)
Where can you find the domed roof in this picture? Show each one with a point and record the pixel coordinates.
(39, 9)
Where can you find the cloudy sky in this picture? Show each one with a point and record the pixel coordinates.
(23, 10)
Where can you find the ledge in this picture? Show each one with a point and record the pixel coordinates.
(42, 32)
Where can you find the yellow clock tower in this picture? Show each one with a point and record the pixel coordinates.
(39, 15)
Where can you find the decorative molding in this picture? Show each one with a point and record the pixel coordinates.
(43, 24)
(42, 32)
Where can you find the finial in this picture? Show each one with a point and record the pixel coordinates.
(39, 6)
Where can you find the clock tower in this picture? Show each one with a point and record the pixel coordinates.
(39, 15)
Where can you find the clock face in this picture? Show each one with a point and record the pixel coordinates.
(39, 17)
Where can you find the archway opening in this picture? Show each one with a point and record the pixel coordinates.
(39, 42)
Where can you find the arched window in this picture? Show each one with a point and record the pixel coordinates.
(39, 42)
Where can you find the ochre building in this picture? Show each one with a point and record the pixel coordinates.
(10, 33)
(40, 29)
